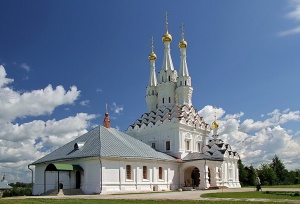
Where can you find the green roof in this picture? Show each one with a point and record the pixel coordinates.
(62, 167)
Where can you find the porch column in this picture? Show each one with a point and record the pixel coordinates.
(214, 177)
(204, 183)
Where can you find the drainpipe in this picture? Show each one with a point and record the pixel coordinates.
(31, 178)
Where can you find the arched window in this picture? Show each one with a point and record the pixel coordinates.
(162, 79)
(180, 83)
(187, 145)
(163, 100)
(152, 92)
(160, 173)
(199, 147)
(128, 172)
(185, 83)
(169, 78)
(169, 99)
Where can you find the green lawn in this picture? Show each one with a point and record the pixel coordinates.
(250, 194)
(278, 186)
(86, 201)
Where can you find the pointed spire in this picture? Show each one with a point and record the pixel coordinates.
(167, 38)
(106, 121)
(152, 58)
(182, 45)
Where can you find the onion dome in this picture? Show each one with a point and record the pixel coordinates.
(215, 125)
(167, 37)
(152, 56)
(182, 44)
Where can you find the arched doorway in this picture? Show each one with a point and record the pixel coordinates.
(78, 179)
(191, 177)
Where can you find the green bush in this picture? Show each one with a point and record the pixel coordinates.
(19, 191)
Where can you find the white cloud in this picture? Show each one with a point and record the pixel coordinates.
(99, 90)
(21, 144)
(290, 32)
(295, 15)
(117, 109)
(14, 104)
(3, 79)
(258, 141)
(25, 66)
(85, 102)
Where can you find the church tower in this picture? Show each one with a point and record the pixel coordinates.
(184, 88)
(167, 76)
(151, 92)
(171, 125)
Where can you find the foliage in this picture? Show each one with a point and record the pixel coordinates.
(267, 175)
(273, 173)
(279, 169)
(17, 191)
(243, 174)
(20, 184)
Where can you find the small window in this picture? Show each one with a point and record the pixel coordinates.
(199, 147)
(167, 145)
(185, 83)
(169, 78)
(169, 99)
(180, 83)
(153, 145)
(163, 100)
(128, 172)
(162, 79)
(145, 176)
(187, 143)
(152, 92)
(160, 173)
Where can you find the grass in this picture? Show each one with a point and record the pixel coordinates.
(250, 194)
(278, 186)
(88, 201)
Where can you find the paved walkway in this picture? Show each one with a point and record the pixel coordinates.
(174, 195)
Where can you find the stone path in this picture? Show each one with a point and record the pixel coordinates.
(174, 195)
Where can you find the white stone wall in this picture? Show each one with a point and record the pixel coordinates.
(115, 177)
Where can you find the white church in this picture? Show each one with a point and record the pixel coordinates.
(168, 148)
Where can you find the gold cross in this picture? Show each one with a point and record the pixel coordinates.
(182, 32)
(152, 44)
(166, 21)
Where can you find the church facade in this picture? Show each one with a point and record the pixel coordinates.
(168, 148)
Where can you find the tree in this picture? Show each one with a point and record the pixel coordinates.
(266, 174)
(279, 169)
(251, 175)
(243, 174)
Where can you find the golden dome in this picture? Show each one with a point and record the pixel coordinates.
(167, 37)
(152, 56)
(215, 125)
(182, 44)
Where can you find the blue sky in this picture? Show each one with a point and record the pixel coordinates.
(243, 57)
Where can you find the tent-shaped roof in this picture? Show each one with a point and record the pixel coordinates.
(104, 142)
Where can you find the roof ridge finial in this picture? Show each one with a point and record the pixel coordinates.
(106, 121)
(215, 124)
